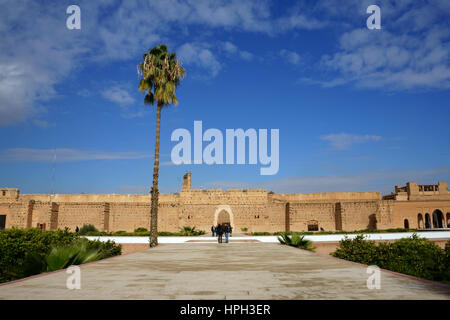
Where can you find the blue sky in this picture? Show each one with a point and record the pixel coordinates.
(357, 109)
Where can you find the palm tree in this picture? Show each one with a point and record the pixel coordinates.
(161, 74)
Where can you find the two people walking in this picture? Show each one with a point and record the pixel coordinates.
(220, 230)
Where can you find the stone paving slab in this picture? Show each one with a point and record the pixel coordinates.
(223, 271)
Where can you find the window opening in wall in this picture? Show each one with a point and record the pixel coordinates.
(2, 221)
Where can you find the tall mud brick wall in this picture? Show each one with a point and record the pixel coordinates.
(254, 209)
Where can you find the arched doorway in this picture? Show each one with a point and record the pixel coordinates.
(223, 214)
(420, 221)
(406, 224)
(438, 218)
(448, 220)
(223, 218)
(427, 221)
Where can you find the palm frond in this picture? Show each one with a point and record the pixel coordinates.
(161, 74)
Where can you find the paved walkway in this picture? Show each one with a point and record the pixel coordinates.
(222, 271)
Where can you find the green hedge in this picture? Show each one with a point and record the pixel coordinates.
(345, 232)
(296, 240)
(139, 232)
(415, 256)
(23, 252)
(87, 228)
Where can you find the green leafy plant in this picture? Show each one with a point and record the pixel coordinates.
(23, 252)
(296, 240)
(244, 229)
(415, 256)
(346, 232)
(66, 256)
(190, 231)
(87, 228)
(260, 233)
(140, 230)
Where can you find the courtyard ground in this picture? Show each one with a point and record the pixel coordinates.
(239, 270)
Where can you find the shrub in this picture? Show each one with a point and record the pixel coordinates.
(244, 229)
(357, 249)
(346, 232)
(140, 230)
(66, 256)
(106, 249)
(165, 234)
(190, 231)
(415, 256)
(121, 233)
(260, 233)
(23, 252)
(21, 249)
(87, 228)
(296, 240)
(98, 233)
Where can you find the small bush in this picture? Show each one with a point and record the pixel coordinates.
(140, 230)
(165, 234)
(358, 250)
(244, 229)
(97, 233)
(346, 232)
(23, 252)
(87, 228)
(74, 254)
(190, 231)
(415, 256)
(260, 233)
(296, 240)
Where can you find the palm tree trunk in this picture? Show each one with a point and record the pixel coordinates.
(155, 192)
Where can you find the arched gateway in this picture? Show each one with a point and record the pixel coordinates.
(223, 214)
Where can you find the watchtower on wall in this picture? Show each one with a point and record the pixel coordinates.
(186, 181)
(9, 193)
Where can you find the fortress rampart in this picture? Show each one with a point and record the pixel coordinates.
(412, 206)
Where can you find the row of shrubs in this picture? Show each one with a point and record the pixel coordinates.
(26, 252)
(334, 232)
(90, 230)
(415, 256)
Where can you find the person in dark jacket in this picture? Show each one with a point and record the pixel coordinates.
(77, 229)
(219, 232)
(213, 230)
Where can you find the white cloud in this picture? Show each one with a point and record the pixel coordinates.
(411, 51)
(37, 51)
(229, 47)
(299, 21)
(199, 55)
(344, 141)
(118, 94)
(290, 56)
(42, 123)
(85, 93)
(246, 55)
(392, 61)
(232, 50)
(65, 155)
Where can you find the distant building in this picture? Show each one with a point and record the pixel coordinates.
(413, 206)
